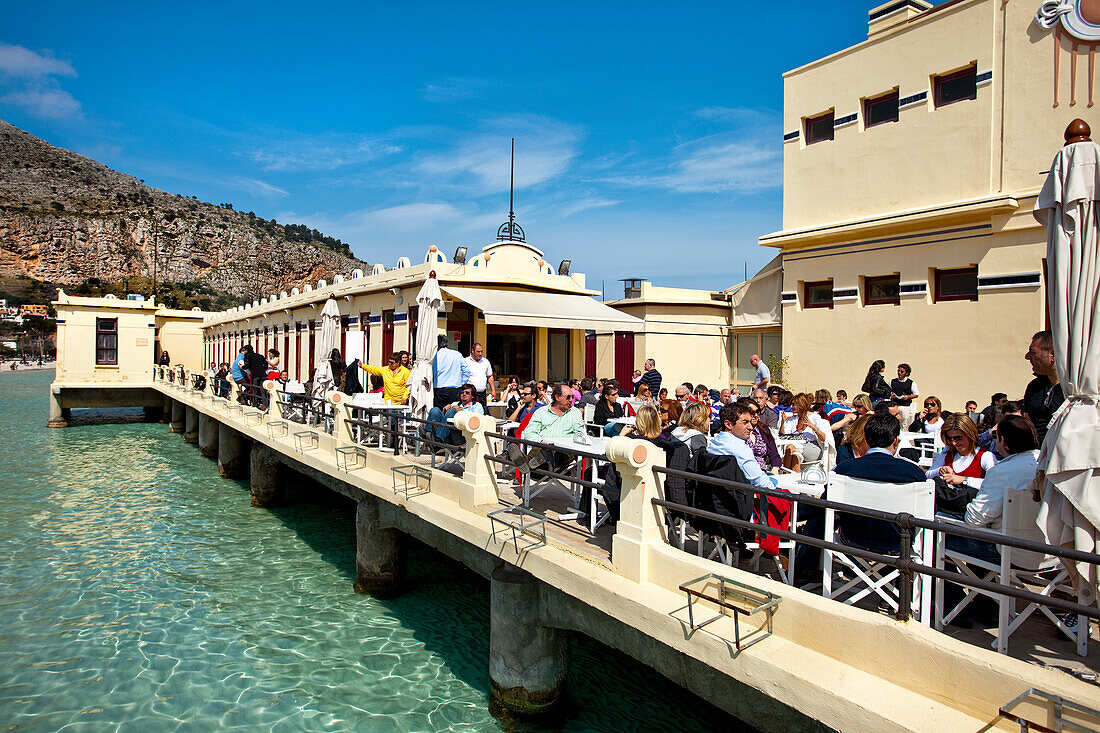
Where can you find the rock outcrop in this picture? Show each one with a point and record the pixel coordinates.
(65, 218)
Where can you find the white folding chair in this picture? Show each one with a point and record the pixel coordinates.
(590, 415)
(917, 499)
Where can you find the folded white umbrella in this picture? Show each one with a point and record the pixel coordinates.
(421, 394)
(1070, 455)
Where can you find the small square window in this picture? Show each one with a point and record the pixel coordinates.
(957, 284)
(818, 294)
(885, 290)
(819, 128)
(957, 87)
(880, 109)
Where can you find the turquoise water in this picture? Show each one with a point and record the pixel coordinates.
(140, 591)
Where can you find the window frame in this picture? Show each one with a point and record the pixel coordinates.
(869, 280)
(102, 331)
(937, 293)
(940, 79)
(815, 284)
(808, 122)
(872, 101)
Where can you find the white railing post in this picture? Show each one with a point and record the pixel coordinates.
(479, 485)
(640, 525)
(273, 411)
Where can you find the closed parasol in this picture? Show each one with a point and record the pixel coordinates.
(430, 300)
(323, 378)
(1070, 455)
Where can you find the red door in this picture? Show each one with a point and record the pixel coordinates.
(387, 335)
(624, 360)
(298, 351)
(284, 362)
(590, 355)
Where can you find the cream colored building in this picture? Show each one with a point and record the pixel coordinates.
(114, 342)
(911, 164)
(530, 316)
(696, 336)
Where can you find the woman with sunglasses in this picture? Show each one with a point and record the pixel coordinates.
(395, 379)
(762, 441)
(930, 420)
(961, 462)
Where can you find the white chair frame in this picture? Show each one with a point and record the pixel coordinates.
(917, 499)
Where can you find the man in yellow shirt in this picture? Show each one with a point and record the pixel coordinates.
(395, 379)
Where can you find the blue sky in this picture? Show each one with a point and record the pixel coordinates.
(648, 135)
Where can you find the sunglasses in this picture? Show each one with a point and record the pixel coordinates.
(955, 438)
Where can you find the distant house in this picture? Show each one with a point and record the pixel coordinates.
(34, 310)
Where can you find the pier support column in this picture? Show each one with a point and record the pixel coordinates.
(59, 416)
(263, 474)
(178, 409)
(208, 436)
(528, 661)
(232, 458)
(379, 553)
(190, 425)
(166, 409)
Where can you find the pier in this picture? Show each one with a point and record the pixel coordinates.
(825, 664)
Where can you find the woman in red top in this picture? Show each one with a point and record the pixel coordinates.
(961, 462)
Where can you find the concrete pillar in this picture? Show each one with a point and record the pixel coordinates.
(263, 475)
(641, 525)
(232, 458)
(178, 410)
(379, 553)
(166, 409)
(208, 436)
(190, 425)
(59, 416)
(528, 661)
(479, 484)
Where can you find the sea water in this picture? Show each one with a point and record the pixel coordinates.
(139, 591)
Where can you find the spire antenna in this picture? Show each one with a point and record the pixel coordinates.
(510, 230)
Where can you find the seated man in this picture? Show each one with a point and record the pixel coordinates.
(878, 464)
(559, 419)
(733, 441)
(467, 400)
(529, 402)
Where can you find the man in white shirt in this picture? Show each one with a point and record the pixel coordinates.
(481, 373)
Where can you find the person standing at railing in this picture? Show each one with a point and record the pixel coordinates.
(239, 369)
(164, 359)
(395, 379)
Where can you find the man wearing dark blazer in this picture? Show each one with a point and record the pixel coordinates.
(878, 464)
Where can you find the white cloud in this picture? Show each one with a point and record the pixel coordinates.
(319, 153)
(410, 217)
(545, 149)
(585, 204)
(257, 186)
(44, 102)
(454, 89)
(23, 63)
(27, 79)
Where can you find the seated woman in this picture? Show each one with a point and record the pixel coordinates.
(643, 393)
(394, 379)
(670, 412)
(812, 428)
(694, 427)
(273, 370)
(862, 405)
(512, 396)
(930, 419)
(961, 464)
(762, 443)
(854, 445)
(608, 408)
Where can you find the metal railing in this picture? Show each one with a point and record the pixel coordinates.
(305, 409)
(903, 561)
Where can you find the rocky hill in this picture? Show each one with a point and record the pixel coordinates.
(66, 219)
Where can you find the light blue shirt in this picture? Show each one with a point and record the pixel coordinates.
(728, 444)
(238, 369)
(762, 373)
(473, 407)
(449, 369)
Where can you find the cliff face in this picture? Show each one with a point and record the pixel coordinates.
(65, 218)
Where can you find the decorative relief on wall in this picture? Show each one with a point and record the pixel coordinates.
(1078, 22)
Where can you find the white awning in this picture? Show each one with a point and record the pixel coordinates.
(545, 310)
